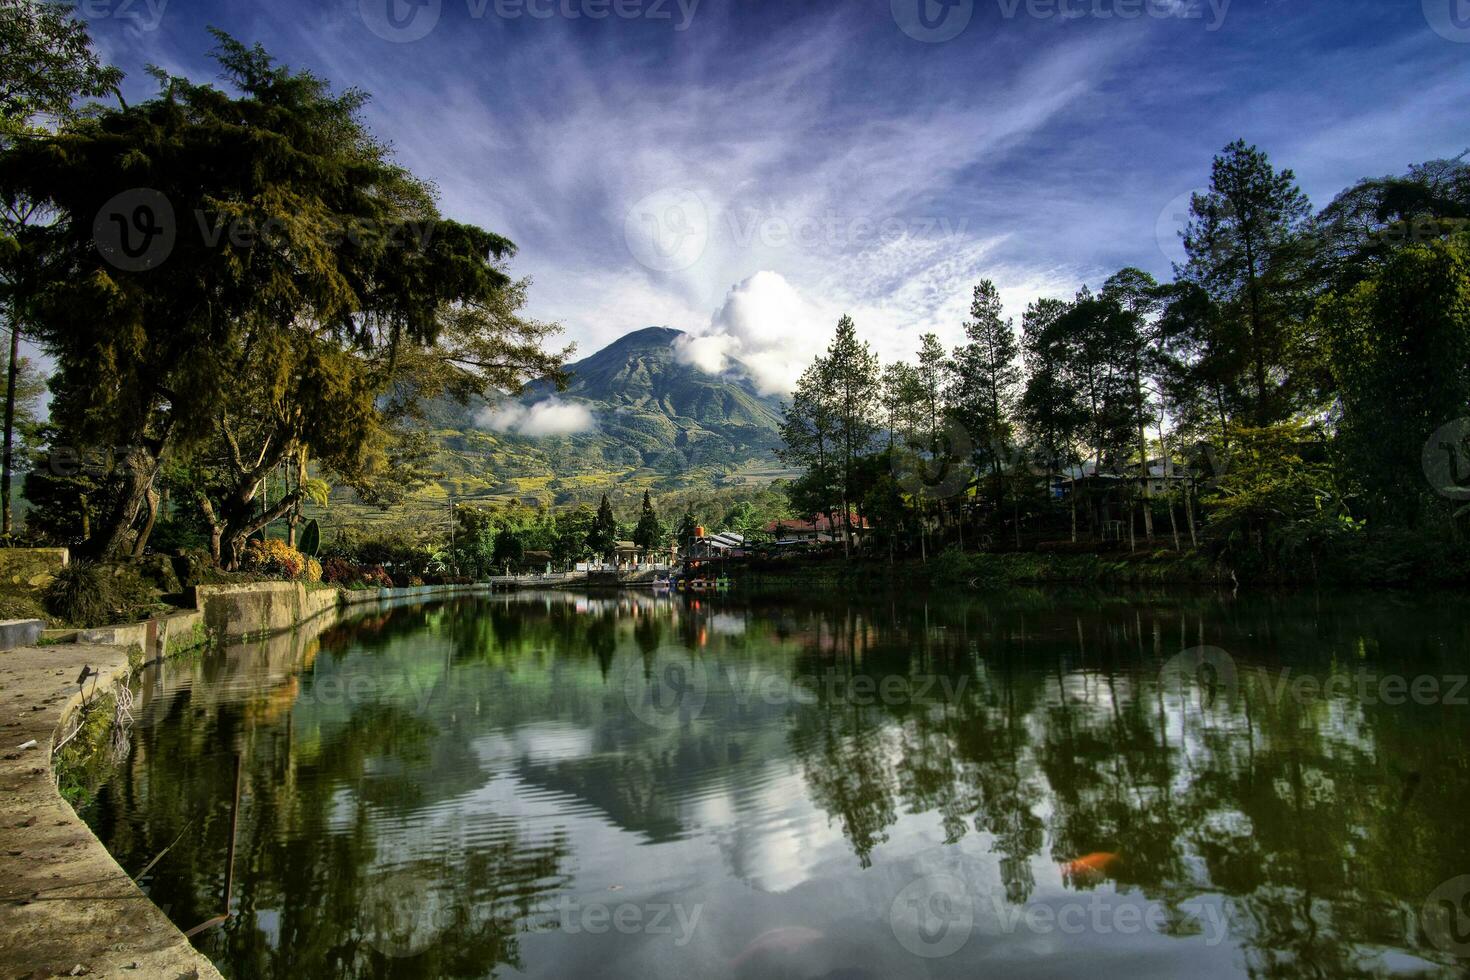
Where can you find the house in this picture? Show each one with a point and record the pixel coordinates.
(723, 544)
(817, 531)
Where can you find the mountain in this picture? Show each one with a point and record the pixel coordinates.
(633, 415)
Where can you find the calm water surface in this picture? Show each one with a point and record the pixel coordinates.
(561, 785)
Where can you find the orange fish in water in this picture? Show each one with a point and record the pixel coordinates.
(1094, 865)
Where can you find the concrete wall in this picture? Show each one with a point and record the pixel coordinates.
(33, 567)
(105, 922)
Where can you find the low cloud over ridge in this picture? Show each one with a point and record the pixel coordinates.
(549, 417)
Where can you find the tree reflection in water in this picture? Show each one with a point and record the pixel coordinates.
(423, 785)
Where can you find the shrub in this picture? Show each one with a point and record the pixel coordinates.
(339, 571)
(276, 558)
(82, 594)
(376, 575)
(313, 572)
(87, 594)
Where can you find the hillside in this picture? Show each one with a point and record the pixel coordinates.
(651, 420)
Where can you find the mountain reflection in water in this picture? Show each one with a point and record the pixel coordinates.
(563, 785)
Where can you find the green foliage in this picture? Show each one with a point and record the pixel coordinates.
(311, 538)
(90, 594)
(271, 338)
(1280, 505)
(649, 533)
(1399, 345)
(46, 63)
(602, 536)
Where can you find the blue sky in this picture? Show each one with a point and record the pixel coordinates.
(749, 171)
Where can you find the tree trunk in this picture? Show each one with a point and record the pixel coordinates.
(5, 463)
(1189, 513)
(140, 465)
(152, 498)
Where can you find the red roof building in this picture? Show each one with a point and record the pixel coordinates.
(818, 529)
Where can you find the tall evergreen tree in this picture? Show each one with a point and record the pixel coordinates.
(649, 534)
(853, 376)
(1239, 241)
(688, 529)
(985, 383)
(602, 537)
(810, 441)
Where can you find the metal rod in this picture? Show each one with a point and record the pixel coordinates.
(229, 861)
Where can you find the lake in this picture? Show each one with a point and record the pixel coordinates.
(559, 784)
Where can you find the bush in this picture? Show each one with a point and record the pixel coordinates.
(339, 571)
(276, 558)
(86, 594)
(81, 593)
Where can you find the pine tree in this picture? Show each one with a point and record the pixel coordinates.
(1238, 240)
(648, 535)
(688, 529)
(852, 372)
(602, 539)
(985, 383)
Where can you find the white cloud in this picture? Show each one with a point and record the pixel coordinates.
(764, 328)
(549, 417)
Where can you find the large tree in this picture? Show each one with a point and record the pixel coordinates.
(47, 66)
(1400, 345)
(810, 441)
(985, 385)
(649, 534)
(1241, 241)
(257, 297)
(854, 378)
(602, 536)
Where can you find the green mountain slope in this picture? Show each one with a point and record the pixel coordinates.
(656, 423)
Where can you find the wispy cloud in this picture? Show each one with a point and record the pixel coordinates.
(840, 166)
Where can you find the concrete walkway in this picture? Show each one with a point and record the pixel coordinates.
(66, 908)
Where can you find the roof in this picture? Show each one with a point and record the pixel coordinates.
(724, 539)
(816, 524)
